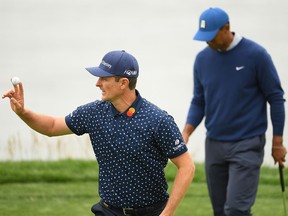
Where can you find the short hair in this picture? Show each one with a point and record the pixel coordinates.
(222, 27)
(132, 81)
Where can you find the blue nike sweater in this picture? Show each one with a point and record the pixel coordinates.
(231, 89)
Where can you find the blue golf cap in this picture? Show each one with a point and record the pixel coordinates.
(116, 63)
(211, 20)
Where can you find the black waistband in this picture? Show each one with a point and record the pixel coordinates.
(134, 211)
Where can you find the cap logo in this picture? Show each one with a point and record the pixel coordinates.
(130, 72)
(203, 24)
(106, 64)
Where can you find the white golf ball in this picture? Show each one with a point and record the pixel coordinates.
(15, 80)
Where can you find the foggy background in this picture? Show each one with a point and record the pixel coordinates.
(49, 43)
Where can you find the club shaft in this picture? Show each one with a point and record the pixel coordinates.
(281, 178)
(283, 188)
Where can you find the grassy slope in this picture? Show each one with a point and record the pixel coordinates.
(77, 170)
(70, 188)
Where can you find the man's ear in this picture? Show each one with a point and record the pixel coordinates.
(124, 82)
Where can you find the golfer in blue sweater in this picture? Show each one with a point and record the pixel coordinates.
(234, 78)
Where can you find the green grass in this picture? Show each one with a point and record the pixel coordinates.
(70, 188)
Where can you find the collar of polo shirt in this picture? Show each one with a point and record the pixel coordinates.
(131, 111)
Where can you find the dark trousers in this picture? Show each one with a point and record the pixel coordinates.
(103, 209)
(232, 171)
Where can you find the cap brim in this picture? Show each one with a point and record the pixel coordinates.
(98, 72)
(205, 35)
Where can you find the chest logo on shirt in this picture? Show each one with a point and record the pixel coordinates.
(240, 68)
(130, 112)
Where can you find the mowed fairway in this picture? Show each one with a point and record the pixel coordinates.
(69, 188)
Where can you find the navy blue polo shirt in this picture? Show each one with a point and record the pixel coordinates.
(132, 149)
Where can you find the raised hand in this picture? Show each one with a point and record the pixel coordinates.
(16, 97)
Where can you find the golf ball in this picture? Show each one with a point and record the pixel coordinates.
(15, 80)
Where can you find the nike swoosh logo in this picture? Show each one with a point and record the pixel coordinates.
(240, 68)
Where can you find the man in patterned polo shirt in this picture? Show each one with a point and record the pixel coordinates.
(131, 137)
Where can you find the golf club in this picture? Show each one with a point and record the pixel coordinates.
(283, 188)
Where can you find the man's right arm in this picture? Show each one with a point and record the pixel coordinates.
(44, 124)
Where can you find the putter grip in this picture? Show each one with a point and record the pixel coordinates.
(281, 178)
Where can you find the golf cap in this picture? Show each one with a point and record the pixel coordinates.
(211, 20)
(116, 63)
